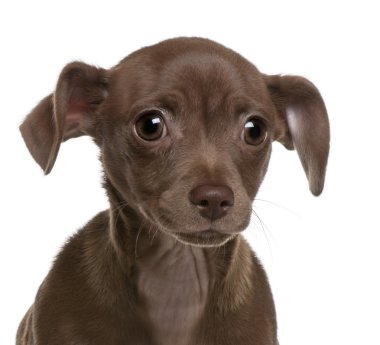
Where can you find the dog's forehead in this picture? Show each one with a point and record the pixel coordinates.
(198, 72)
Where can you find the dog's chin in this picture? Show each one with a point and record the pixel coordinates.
(207, 238)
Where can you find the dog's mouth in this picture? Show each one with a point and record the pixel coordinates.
(207, 238)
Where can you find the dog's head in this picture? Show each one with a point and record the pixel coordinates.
(185, 129)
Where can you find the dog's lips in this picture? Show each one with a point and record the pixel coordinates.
(206, 234)
(206, 238)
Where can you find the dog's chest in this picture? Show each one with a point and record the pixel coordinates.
(173, 286)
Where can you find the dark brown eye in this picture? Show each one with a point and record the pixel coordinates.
(255, 131)
(150, 126)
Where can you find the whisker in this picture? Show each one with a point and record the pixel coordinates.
(278, 205)
(151, 238)
(265, 230)
(137, 239)
(154, 235)
(119, 208)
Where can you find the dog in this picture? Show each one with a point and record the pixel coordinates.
(185, 129)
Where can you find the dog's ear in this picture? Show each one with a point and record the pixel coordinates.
(67, 113)
(302, 110)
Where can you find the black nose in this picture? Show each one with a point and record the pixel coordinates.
(212, 201)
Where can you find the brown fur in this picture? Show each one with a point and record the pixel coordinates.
(143, 272)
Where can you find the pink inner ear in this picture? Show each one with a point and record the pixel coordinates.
(77, 108)
(78, 102)
(72, 123)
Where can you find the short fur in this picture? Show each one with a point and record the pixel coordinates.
(154, 269)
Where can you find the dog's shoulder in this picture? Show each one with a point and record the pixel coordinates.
(77, 258)
(83, 241)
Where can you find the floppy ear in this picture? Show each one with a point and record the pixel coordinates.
(300, 105)
(67, 113)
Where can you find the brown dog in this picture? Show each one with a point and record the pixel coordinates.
(185, 129)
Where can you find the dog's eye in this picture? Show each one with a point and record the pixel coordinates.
(255, 131)
(150, 126)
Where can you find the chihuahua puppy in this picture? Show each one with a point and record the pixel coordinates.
(184, 129)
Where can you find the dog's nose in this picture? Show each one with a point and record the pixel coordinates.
(212, 201)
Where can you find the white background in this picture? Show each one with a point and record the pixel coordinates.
(321, 254)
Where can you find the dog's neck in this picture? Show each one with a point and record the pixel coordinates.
(175, 283)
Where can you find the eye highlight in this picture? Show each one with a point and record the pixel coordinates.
(150, 125)
(255, 131)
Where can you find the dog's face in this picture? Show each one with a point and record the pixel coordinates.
(185, 131)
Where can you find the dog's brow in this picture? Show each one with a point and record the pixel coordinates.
(167, 100)
(241, 106)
